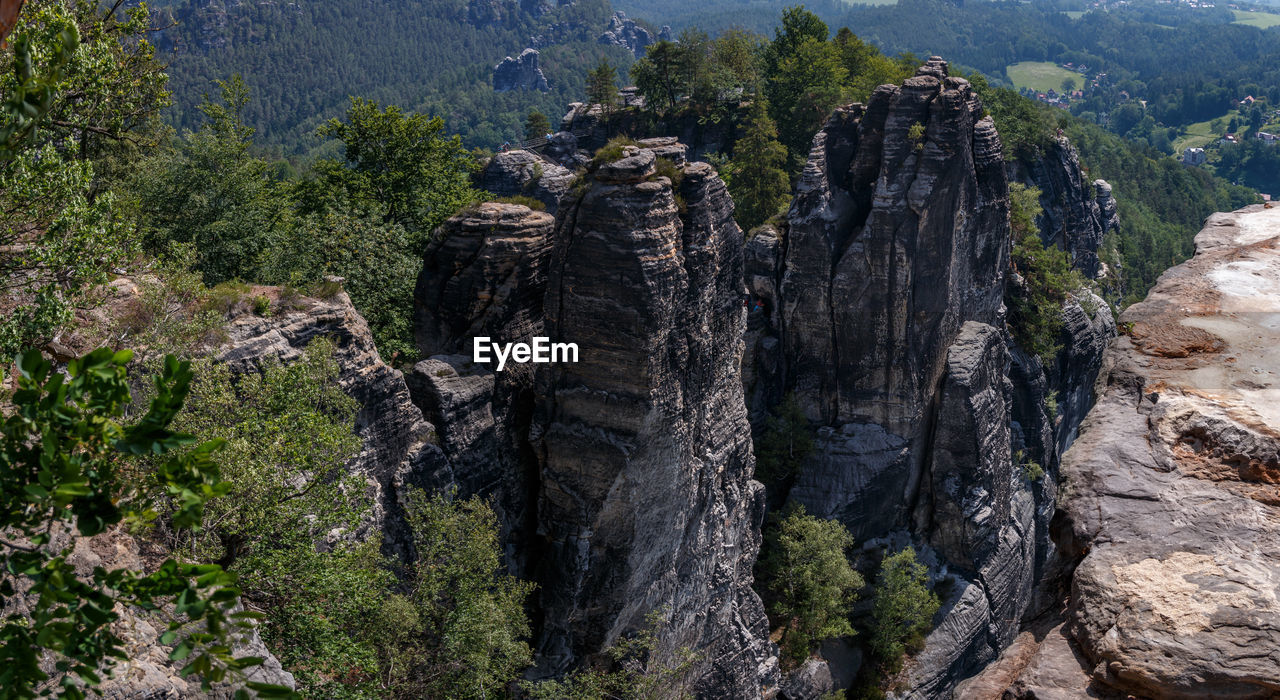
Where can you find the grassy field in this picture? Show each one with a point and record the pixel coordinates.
(1200, 134)
(1040, 76)
(1074, 14)
(1261, 20)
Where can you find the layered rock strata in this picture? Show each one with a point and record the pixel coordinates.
(634, 463)
(523, 173)
(1170, 493)
(1077, 212)
(398, 449)
(880, 308)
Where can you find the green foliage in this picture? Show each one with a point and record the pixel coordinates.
(916, 135)
(804, 89)
(79, 87)
(602, 85)
(349, 49)
(1035, 307)
(378, 260)
(703, 72)
(812, 584)
(68, 465)
(401, 165)
(211, 192)
(612, 150)
(784, 444)
(524, 201)
(637, 673)
(536, 125)
(1031, 470)
(759, 185)
(288, 433)
(460, 627)
(904, 606)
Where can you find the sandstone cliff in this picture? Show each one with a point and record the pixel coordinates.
(883, 315)
(624, 479)
(1168, 511)
(519, 73)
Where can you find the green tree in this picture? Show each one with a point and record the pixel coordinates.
(806, 86)
(1048, 278)
(288, 433)
(212, 192)
(378, 259)
(536, 125)
(461, 625)
(904, 606)
(402, 165)
(1068, 85)
(78, 86)
(812, 583)
(657, 75)
(759, 186)
(69, 466)
(602, 86)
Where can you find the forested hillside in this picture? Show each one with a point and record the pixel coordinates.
(302, 60)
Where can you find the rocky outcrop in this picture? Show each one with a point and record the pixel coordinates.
(398, 449)
(520, 73)
(623, 480)
(522, 172)
(880, 308)
(484, 275)
(647, 501)
(1169, 496)
(1077, 212)
(624, 32)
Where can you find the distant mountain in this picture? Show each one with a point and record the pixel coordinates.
(303, 59)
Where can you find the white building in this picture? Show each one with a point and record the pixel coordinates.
(1193, 156)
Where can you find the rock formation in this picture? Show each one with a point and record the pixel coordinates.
(1168, 512)
(882, 313)
(484, 275)
(522, 172)
(647, 500)
(589, 455)
(1077, 213)
(398, 444)
(521, 73)
(622, 31)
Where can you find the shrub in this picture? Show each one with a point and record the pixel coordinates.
(1035, 309)
(810, 580)
(612, 150)
(904, 606)
(261, 305)
(225, 297)
(522, 200)
(916, 135)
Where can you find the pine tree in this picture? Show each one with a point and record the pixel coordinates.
(536, 125)
(759, 186)
(602, 88)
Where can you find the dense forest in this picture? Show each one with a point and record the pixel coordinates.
(302, 60)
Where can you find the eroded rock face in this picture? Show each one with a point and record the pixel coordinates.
(1169, 492)
(1077, 212)
(623, 480)
(880, 307)
(622, 31)
(484, 276)
(647, 501)
(398, 449)
(520, 73)
(522, 172)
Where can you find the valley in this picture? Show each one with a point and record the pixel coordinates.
(570, 350)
